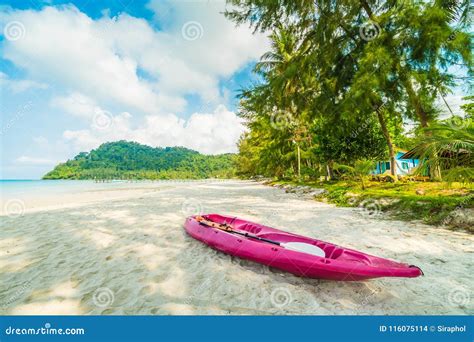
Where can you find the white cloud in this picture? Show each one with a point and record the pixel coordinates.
(221, 47)
(103, 59)
(209, 133)
(76, 104)
(127, 64)
(18, 86)
(63, 45)
(34, 161)
(40, 140)
(454, 101)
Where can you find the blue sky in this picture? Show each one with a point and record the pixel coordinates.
(76, 74)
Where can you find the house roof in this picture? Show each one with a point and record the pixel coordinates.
(412, 154)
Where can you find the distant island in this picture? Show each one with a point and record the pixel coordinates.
(131, 160)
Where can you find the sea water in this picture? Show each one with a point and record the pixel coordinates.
(37, 189)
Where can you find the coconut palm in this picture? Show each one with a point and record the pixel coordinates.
(359, 171)
(449, 146)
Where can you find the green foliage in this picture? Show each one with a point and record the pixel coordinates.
(359, 171)
(348, 139)
(130, 160)
(332, 80)
(433, 205)
(450, 148)
(468, 107)
(435, 211)
(338, 197)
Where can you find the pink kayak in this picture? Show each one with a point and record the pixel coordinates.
(275, 248)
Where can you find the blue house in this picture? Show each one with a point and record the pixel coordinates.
(404, 166)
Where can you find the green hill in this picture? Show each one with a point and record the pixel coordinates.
(131, 160)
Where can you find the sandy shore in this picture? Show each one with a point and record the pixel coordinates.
(125, 252)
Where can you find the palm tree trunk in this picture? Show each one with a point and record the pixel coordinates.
(388, 139)
(416, 103)
(330, 173)
(383, 125)
(435, 172)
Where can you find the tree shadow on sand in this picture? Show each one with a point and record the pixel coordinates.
(133, 257)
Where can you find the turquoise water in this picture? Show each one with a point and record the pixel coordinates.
(10, 189)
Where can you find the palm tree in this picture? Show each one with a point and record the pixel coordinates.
(450, 148)
(273, 108)
(359, 171)
(282, 68)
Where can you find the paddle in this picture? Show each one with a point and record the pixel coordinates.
(294, 246)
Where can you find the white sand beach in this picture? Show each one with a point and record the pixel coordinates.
(124, 251)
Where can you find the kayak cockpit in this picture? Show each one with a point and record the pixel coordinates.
(331, 251)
